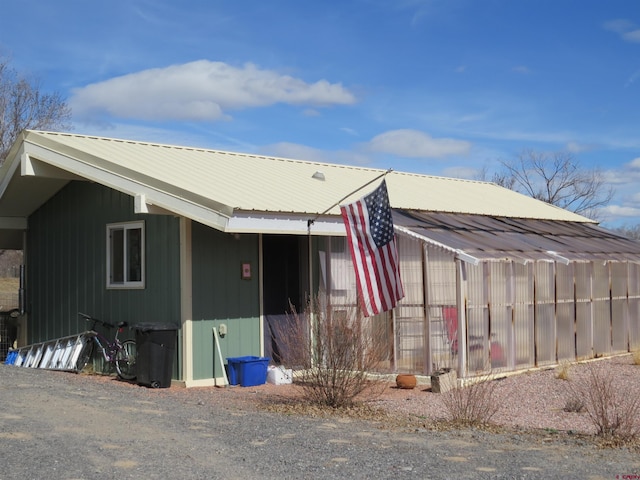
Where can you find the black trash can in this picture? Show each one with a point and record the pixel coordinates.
(156, 345)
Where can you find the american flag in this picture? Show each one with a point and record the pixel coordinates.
(373, 250)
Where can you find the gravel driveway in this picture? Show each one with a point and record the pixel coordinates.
(56, 425)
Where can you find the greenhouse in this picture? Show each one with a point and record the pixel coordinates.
(487, 294)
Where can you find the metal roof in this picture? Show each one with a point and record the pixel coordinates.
(236, 192)
(494, 238)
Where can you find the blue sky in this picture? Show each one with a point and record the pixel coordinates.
(441, 87)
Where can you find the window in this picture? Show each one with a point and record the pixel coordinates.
(125, 255)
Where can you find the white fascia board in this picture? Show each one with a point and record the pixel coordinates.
(36, 168)
(13, 167)
(456, 252)
(162, 200)
(293, 224)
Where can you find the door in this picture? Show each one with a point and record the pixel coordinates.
(283, 263)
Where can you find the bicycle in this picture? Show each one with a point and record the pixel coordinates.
(122, 354)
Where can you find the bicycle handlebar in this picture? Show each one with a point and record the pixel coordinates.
(107, 325)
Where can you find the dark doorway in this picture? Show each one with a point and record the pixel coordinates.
(282, 263)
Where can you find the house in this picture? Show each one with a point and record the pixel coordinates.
(140, 232)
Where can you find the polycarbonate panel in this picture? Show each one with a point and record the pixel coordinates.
(601, 309)
(565, 331)
(338, 293)
(619, 331)
(477, 320)
(584, 310)
(337, 277)
(545, 314)
(410, 313)
(584, 330)
(634, 324)
(524, 316)
(443, 311)
(565, 313)
(634, 306)
(501, 308)
(619, 307)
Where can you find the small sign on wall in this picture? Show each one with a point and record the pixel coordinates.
(246, 271)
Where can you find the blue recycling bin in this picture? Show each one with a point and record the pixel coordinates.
(247, 371)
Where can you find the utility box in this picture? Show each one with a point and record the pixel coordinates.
(247, 371)
(156, 345)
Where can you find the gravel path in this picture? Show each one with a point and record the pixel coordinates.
(59, 425)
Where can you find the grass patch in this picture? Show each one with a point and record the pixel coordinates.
(562, 371)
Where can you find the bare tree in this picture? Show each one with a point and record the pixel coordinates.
(558, 179)
(23, 105)
(632, 232)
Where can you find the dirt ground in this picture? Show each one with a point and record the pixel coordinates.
(60, 425)
(536, 400)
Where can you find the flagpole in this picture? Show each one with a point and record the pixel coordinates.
(310, 243)
(312, 220)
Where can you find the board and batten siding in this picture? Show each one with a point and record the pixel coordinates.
(222, 296)
(66, 265)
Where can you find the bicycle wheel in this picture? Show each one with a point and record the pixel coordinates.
(126, 360)
(85, 355)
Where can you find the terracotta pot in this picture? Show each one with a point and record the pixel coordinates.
(407, 381)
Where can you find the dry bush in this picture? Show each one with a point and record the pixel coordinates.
(333, 352)
(474, 404)
(635, 355)
(614, 412)
(574, 405)
(562, 372)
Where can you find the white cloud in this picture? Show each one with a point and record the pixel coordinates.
(522, 69)
(618, 211)
(626, 29)
(303, 152)
(632, 36)
(618, 25)
(349, 131)
(468, 173)
(200, 90)
(416, 144)
(294, 151)
(575, 147)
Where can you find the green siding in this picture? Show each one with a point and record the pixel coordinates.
(66, 264)
(220, 295)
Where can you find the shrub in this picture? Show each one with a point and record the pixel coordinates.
(332, 353)
(562, 372)
(473, 405)
(574, 405)
(613, 412)
(636, 357)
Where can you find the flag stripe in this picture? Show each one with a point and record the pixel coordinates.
(373, 251)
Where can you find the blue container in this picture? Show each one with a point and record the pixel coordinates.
(247, 371)
(11, 357)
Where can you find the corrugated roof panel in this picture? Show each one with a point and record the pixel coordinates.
(526, 239)
(247, 182)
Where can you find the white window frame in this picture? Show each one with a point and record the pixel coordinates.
(126, 281)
